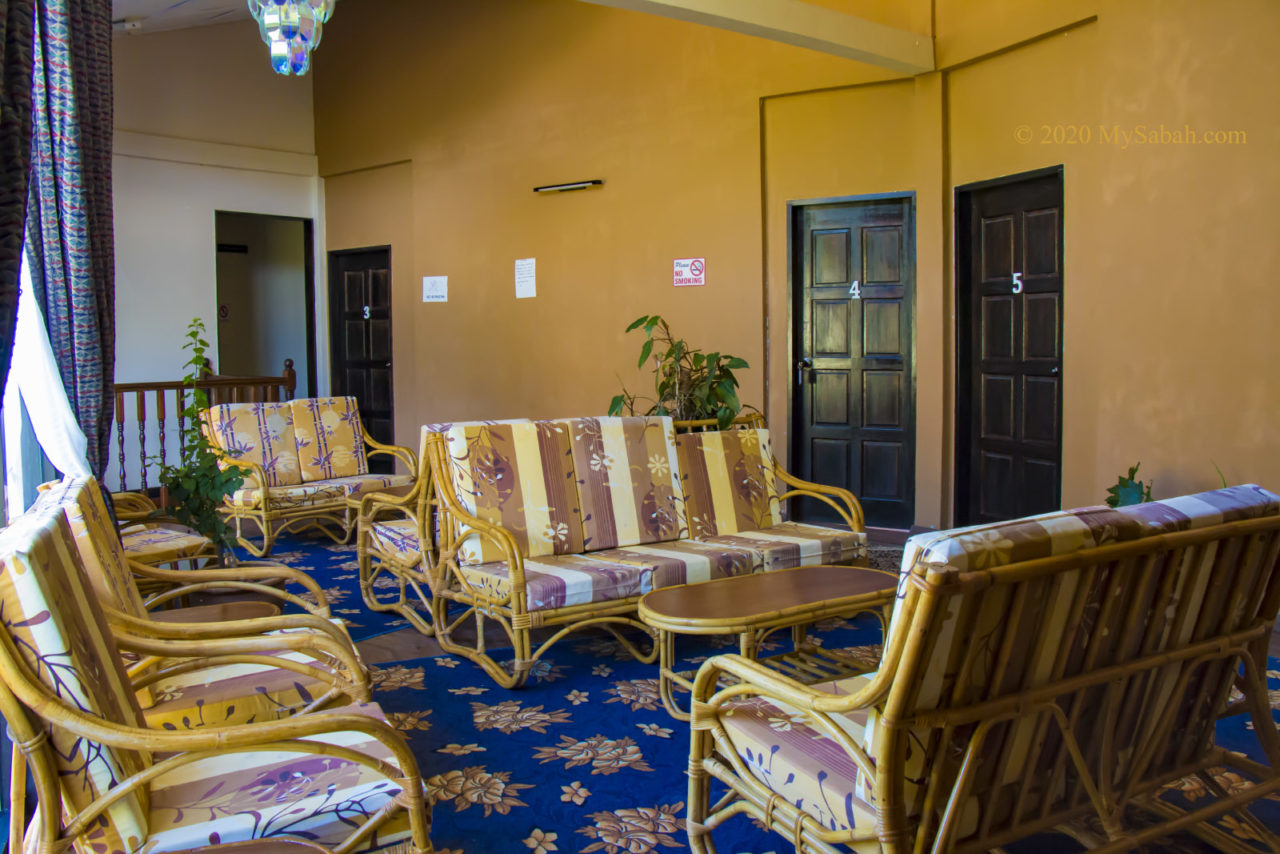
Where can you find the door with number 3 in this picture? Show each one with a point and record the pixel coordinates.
(853, 395)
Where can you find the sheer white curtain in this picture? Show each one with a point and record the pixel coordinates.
(34, 380)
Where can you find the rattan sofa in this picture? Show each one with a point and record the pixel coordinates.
(564, 524)
(305, 458)
(1053, 671)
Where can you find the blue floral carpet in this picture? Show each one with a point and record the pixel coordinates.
(584, 758)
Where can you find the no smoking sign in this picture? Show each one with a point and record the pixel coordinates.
(687, 272)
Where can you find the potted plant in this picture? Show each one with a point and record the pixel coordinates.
(197, 484)
(688, 383)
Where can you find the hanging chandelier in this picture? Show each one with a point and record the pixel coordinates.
(292, 29)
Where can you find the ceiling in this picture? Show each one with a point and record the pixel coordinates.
(148, 16)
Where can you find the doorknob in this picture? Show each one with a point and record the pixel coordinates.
(805, 364)
(1053, 371)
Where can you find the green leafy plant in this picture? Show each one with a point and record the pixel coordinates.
(197, 484)
(1128, 490)
(689, 384)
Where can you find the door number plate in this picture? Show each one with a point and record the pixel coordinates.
(855, 292)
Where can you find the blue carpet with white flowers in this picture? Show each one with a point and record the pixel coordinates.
(584, 758)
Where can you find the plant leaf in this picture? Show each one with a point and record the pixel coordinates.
(644, 353)
(638, 322)
(615, 405)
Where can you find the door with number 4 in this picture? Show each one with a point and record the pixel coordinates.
(853, 394)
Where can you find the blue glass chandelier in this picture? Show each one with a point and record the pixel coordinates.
(292, 29)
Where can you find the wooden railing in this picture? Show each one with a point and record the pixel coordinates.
(146, 411)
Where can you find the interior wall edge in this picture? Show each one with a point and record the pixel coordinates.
(194, 152)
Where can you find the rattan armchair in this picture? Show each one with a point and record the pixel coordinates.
(107, 780)
(307, 463)
(1039, 672)
(151, 538)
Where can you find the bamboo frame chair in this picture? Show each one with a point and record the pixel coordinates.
(454, 600)
(104, 779)
(154, 540)
(332, 517)
(837, 498)
(1016, 698)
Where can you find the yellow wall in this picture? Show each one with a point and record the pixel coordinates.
(703, 136)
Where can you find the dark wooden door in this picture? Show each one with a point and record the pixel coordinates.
(853, 283)
(1009, 349)
(360, 338)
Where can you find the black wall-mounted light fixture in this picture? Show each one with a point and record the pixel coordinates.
(572, 185)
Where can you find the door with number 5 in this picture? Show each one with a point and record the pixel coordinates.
(1009, 295)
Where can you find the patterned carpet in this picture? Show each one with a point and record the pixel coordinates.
(584, 758)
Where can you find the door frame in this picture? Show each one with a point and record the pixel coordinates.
(959, 296)
(793, 207)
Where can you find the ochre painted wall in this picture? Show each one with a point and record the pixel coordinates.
(703, 137)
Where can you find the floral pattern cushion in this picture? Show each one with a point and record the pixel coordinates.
(628, 481)
(298, 495)
(728, 481)
(239, 797)
(396, 539)
(519, 476)
(260, 433)
(792, 544)
(155, 546)
(52, 616)
(101, 553)
(330, 438)
(555, 581)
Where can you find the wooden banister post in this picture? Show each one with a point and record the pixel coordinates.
(290, 379)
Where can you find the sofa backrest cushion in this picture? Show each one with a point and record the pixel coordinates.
(101, 553)
(519, 476)
(1018, 632)
(628, 481)
(51, 614)
(728, 482)
(330, 438)
(259, 433)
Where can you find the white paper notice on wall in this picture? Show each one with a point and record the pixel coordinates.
(688, 272)
(435, 288)
(526, 278)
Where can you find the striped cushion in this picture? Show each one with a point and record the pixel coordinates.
(259, 433)
(238, 797)
(628, 480)
(519, 476)
(297, 495)
(801, 763)
(606, 576)
(101, 552)
(792, 544)
(51, 614)
(329, 436)
(728, 481)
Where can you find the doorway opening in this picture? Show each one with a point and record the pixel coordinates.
(1009, 301)
(266, 296)
(853, 277)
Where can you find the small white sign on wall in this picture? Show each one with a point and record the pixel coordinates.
(435, 288)
(688, 272)
(526, 278)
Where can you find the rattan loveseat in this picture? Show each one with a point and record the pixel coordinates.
(1037, 673)
(565, 524)
(305, 458)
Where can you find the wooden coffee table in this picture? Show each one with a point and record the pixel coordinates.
(753, 606)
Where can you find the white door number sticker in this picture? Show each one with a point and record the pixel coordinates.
(366, 312)
(855, 291)
(1017, 283)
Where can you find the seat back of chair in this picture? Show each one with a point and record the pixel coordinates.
(728, 481)
(1118, 629)
(519, 476)
(55, 634)
(330, 437)
(628, 480)
(259, 433)
(101, 553)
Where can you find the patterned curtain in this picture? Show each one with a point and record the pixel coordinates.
(69, 217)
(15, 146)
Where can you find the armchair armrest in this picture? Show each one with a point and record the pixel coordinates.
(240, 578)
(840, 499)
